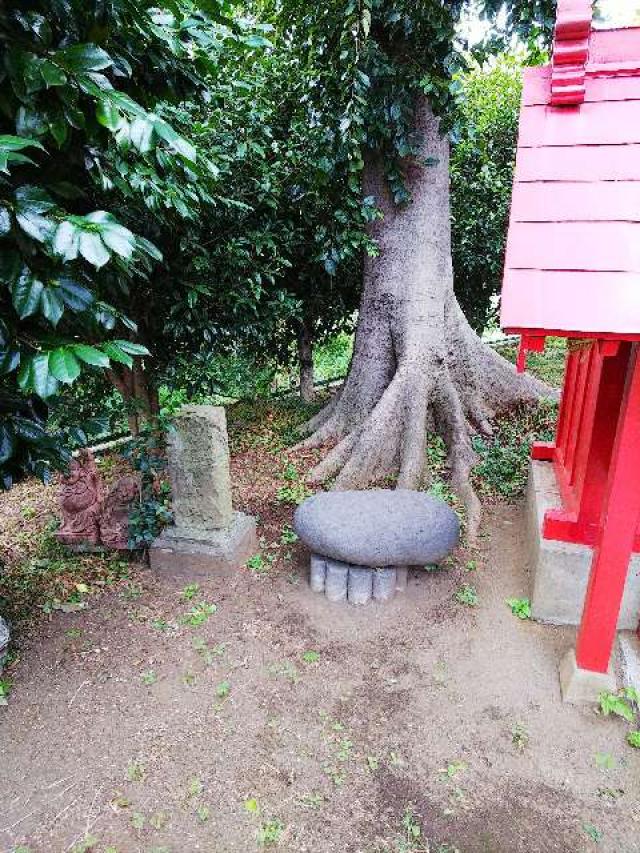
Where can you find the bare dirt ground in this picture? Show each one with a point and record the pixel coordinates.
(148, 723)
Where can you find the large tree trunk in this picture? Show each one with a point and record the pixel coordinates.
(140, 394)
(305, 358)
(417, 364)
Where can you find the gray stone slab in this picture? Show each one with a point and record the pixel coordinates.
(560, 570)
(384, 584)
(378, 527)
(336, 578)
(221, 553)
(629, 647)
(198, 456)
(317, 573)
(360, 585)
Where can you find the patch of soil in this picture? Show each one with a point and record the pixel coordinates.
(147, 723)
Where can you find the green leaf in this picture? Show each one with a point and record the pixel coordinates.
(64, 365)
(51, 305)
(34, 376)
(5, 222)
(140, 133)
(59, 129)
(108, 114)
(119, 239)
(7, 441)
(91, 355)
(66, 240)
(31, 203)
(25, 293)
(116, 353)
(84, 57)
(147, 246)
(52, 74)
(17, 143)
(28, 429)
(93, 249)
(74, 295)
(131, 348)
(9, 361)
(177, 142)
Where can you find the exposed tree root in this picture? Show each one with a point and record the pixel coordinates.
(391, 438)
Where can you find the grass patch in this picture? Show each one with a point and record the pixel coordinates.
(504, 457)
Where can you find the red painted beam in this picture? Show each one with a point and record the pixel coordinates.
(620, 516)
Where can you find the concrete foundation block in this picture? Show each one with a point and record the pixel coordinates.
(317, 573)
(220, 552)
(360, 585)
(384, 584)
(582, 686)
(629, 646)
(560, 570)
(336, 578)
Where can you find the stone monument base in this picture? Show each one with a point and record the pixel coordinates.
(560, 570)
(175, 554)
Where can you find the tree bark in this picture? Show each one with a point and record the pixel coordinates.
(417, 364)
(305, 358)
(140, 394)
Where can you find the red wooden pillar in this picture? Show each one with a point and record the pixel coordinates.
(620, 514)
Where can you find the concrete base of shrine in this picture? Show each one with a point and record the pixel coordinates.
(177, 555)
(583, 686)
(559, 571)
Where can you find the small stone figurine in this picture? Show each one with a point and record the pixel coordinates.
(80, 502)
(114, 517)
(89, 517)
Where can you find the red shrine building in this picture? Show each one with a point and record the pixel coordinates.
(572, 269)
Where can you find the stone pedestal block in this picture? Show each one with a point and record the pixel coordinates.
(356, 584)
(360, 585)
(220, 552)
(385, 584)
(560, 570)
(317, 573)
(336, 578)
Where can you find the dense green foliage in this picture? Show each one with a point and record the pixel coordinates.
(85, 152)
(482, 161)
(184, 180)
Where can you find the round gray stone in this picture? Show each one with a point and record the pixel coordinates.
(380, 527)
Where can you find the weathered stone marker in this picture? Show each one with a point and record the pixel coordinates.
(208, 536)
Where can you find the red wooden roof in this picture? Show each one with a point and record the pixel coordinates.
(573, 251)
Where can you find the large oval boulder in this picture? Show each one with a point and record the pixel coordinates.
(380, 527)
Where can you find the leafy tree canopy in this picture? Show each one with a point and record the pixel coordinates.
(83, 137)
